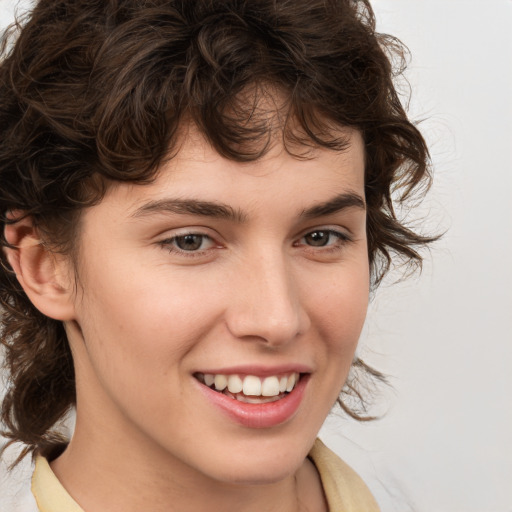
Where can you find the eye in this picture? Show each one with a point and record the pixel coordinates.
(188, 242)
(318, 238)
(324, 238)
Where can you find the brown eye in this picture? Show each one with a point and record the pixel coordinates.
(318, 238)
(189, 242)
(324, 238)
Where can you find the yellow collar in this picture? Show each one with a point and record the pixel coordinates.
(48, 492)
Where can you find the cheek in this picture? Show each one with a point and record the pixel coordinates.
(140, 324)
(340, 308)
(136, 340)
(338, 313)
(144, 300)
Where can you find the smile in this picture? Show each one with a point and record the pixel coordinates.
(250, 388)
(254, 401)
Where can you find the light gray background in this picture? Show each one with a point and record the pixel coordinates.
(445, 338)
(445, 443)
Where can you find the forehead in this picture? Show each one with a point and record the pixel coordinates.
(192, 144)
(279, 184)
(197, 168)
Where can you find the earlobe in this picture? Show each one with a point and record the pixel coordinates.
(43, 275)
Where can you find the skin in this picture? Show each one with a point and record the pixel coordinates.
(147, 316)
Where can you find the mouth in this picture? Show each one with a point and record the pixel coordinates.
(251, 389)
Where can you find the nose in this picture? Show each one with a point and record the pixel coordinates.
(267, 303)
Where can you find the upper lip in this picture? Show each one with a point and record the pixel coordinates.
(258, 370)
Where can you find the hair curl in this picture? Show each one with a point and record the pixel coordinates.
(94, 91)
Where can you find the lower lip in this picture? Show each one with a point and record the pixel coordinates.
(258, 415)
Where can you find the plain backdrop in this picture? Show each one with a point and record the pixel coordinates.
(444, 443)
(445, 337)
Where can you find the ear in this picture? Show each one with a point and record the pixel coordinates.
(45, 276)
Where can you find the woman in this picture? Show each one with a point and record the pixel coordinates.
(196, 202)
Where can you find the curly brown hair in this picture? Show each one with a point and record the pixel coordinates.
(95, 91)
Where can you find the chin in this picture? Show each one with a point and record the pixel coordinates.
(264, 466)
(261, 475)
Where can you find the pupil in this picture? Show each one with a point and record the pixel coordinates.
(189, 242)
(317, 238)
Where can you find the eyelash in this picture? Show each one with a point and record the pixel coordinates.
(170, 245)
(341, 240)
(339, 243)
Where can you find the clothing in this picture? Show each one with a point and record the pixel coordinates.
(343, 488)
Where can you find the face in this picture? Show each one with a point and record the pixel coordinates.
(219, 309)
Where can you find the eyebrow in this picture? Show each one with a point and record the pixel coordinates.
(224, 211)
(191, 207)
(334, 205)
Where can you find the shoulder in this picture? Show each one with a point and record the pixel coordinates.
(344, 489)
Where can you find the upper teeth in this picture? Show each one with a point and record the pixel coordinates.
(251, 385)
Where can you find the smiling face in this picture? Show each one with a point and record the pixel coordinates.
(219, 310)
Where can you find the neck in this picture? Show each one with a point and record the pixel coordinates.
(120, 476)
